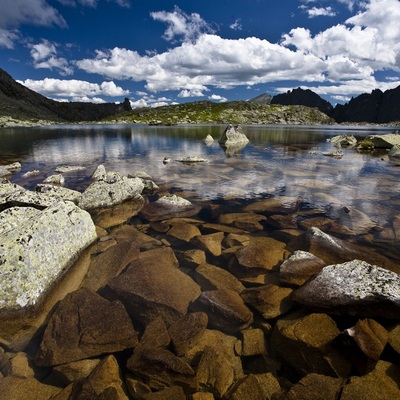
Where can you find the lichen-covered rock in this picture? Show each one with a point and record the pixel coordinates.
(10, 218)
(111, 190)
(394, 154)
(353, 288)
(9, 169)
(59, 192)
(85, 325)
(344, 140)
(34, 255)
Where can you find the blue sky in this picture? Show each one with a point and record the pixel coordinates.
(164, 52)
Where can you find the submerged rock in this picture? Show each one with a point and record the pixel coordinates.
(37, 252)
(353, 288)
(84, 326)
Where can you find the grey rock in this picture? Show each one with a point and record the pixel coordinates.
(9, 169)
(394, 154)
(69, 168)
(353, 288)
(233, 135)
(59, 193)
(386, 141)
(55, 179)
(37, 253)
(112, 190)
(344, 140)
(10, 218)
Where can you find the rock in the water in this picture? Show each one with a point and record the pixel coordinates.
(270, 301)
(153, 286)
(225, 309)
(277, 204)
(34, 255)
(353, 288)
(210, 277)
(233, 135)
(85, 325)
(386, 141)
(187, 331)
(394, 154)
(55, 180)
(382, 383)
(103, 383)
(306, 345)
(344, 140)
(252, 387)
(334, 251)
(300, 267)
(111, 190)
(69, 168)
(316, 386)
(59, 192)
(169, 207)
(364, 343)
(13, 387)
(9, 169)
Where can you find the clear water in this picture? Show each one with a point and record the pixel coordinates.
(278, 160)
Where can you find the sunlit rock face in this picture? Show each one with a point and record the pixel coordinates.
(36, 251)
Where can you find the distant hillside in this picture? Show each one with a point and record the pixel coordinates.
(17, 101)
(304, 97)
(239, 112)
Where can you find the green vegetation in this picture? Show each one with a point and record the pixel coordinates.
(236, 112)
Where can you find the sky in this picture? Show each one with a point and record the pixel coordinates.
(166, 52)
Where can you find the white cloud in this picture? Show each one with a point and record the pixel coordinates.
(44, 55)
(217, 97)
(190, 93)
(73, 88)
(186, 26)
(319, 11)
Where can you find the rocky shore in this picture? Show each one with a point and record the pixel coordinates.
(153, 297)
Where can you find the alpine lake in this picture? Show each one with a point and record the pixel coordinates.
(279, 160)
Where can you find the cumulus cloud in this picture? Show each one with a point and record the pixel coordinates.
(217, 97)
(44, 55)
(188, 27)
(190, 93)
(75, 89)
(319, 11)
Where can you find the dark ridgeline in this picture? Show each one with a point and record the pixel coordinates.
(17, 101)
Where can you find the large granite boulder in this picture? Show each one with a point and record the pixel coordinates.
(233, 135)
(110, 190)
(353, 288)
(153, 286)
(394, 154)
(85, 325)
(36, 253)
